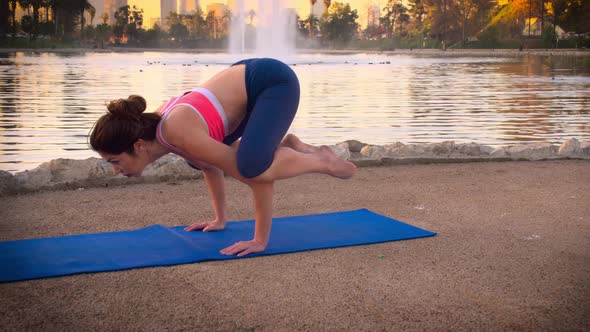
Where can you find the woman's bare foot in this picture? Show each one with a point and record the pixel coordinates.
(293, 142)
(337, 167)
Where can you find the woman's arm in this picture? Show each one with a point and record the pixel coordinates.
(263, 198)
(215, 180)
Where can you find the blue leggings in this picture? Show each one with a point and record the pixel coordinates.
(273, 98)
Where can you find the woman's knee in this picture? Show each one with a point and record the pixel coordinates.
(251, 165)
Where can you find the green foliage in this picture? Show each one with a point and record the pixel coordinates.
(28, 24)
(490, 37)
(179, 32)
(417, 24)
(338, 24)
(549, 37)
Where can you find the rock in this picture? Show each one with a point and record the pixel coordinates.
(7, 183)
(373, 151)
(486, 149)
(71, 170)
(165, 159)
(342, 150)
(400, 150)
(175, 168)
(34, 179)
(535, 151)
(570, 148)
(473, 150)
(443, 149)
(499, 152)
(585, 147)
(355, 146)
(414, 151)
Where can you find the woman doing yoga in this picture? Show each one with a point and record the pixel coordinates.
(234, 124)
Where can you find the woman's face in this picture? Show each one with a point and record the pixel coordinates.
(125, 163)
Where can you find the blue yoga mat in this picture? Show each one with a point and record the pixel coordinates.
(159, 245)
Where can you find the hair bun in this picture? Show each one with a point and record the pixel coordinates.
(130, 107)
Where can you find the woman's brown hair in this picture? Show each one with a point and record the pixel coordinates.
(124, 123)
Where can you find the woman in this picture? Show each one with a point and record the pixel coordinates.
(255, 100)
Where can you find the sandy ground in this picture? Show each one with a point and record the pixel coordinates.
(512, 253)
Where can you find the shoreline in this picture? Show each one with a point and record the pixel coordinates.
(60, 174)
(419, 52)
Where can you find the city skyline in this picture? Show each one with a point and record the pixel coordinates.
(152, 7)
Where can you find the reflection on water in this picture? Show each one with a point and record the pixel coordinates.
(48, 102)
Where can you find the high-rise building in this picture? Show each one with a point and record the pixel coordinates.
(184, 7)
(373, 15)
(166, 7)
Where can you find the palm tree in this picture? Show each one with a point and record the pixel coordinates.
(104, 17)
(312, 24)
(226, 20)
(92, 12)
(252, 14)
(83, 5)
(310, 18)
(13, 4)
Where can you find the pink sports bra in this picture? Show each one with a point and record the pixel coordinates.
(206, 105)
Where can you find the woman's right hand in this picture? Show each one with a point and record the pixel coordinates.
(206, 226)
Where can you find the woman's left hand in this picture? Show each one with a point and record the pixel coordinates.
(243, 248)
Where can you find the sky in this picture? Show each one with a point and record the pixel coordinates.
(151, 8)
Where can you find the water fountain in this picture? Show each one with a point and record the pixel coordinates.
(276, 27)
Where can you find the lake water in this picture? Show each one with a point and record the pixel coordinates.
(49, 101)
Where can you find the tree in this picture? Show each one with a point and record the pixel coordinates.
(197, 25)
(395, 13)
(417, 11)
(103, 33)
(27, 24)
(4, 10)
(84, 5)
(576, 16)
(104, 17)
(252, 14)
(128, 22)
(178, 31)
(311, 24)
(92, 12)
(444, 21)
(212, 24)
(338, 24)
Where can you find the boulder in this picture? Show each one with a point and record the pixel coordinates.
(585, 147)
(171, 168)
(7, 183)
(71, 170)
(442, 149)
(400, 150)
(570, 148)
(473, 150)
(34, 179)
(373, 151)
(342, 150)
(499, 152)
(355, 146)
(534, 151)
